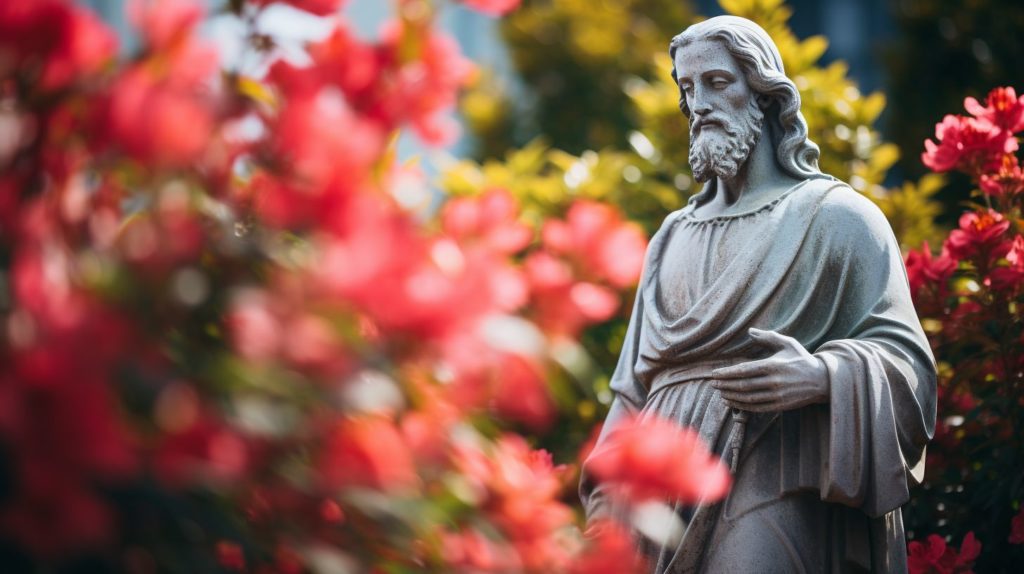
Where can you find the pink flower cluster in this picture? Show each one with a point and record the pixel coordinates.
(970, 296)
(971, 144)
(214, 295)
(653, 458)
(936, 557)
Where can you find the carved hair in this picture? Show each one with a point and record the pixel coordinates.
(759, 58)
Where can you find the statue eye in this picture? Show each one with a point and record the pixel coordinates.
(719, 83)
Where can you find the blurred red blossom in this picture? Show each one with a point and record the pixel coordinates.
(600, 241)
(490, 219)
(230, 556)
(585, 259)
(165, 24)
(204, 451)
(318, 7)
(609, 550)
(221, 309)
(935, 557)
(1017, 528)
(654, 458)
(325, 142)
(56, 41)
(520, 487)
(471, 551)
(387, 84)
(493, 7)
(160, 110)
(367, 451)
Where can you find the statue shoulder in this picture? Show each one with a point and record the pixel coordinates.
(846, 214)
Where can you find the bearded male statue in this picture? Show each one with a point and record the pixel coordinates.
(774, 318)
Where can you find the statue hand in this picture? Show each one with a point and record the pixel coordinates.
(791, 378)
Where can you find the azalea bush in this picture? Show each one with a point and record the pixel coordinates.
(970, 296)
(233, 336)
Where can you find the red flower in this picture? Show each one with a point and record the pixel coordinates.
(230, 556)
(979, 231)
(471, 551)
(493, 7)
(1017, 528)
(596, 238)
(60, 39)
(254, 328)
(521, 393)
(318, 7)
(1006, 182)
(655, 458)
(204, 450)
(424, 88)
(520, 488)
(55, 513)
(367, 451)
(562, 306)
(324, 141)
(610, 550)
(937, 558)
(1011, 275)
(411, 78)
(924, 269)
(967, 144)
(160, 111)
(586, 258)
(1004, 109)
(345, 61)
(488, 231)
(490, 219)
(165, 23)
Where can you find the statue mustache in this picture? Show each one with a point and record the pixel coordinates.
(698, 125)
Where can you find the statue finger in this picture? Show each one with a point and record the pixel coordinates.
(748, 398)
(772, 339)
(745, 370)
(747, 385)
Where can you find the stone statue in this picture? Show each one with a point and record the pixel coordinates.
(774, 317)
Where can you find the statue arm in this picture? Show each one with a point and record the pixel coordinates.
(881, 406)
(628, 397)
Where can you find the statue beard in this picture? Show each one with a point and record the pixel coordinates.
(723, 151)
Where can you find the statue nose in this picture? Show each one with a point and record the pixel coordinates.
(700, 107)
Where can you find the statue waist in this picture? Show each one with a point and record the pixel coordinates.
(689, 372)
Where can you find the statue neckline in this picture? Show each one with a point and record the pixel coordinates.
(688, 210)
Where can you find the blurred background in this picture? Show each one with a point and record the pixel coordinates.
(559, 67)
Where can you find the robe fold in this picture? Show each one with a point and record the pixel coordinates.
(819, 264)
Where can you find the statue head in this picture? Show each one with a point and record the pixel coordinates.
(771, 97)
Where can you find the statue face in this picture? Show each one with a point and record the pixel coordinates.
(725, 120)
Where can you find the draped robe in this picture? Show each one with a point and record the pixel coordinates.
(825, 482)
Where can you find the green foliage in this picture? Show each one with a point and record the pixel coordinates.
(653, 139)
(546, 181)
(574, 56)
(911, 210)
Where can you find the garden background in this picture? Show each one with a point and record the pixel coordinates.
(256, 318)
